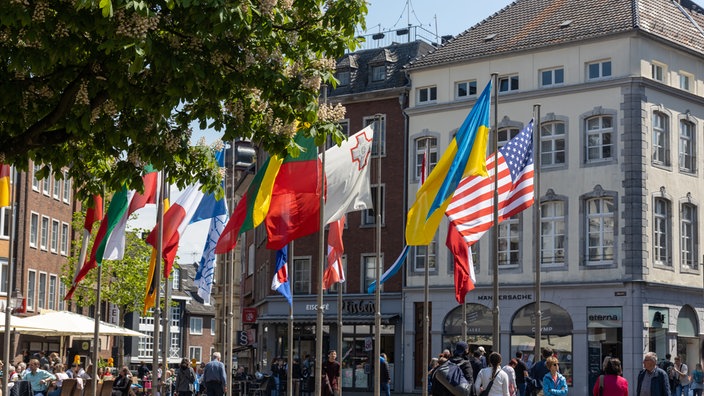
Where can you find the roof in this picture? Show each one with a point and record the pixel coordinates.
(394, 57)
(195, 306)
(532, 24)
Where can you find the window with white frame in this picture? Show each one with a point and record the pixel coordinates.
(196, 326)
(336, 285)
(145, 348)
(657, 71)
(509, 242)
(427, 95)
(506, 134)
(62, 292)
(552, 143)
(598, 69)
(508, 83)
(54, 236)
(343, 78)
(369, 215)
(31, 289)
(465, 89)
(33, 229)
(301, 275)
(46, 185)
(64, 239)
(44, 236)
(688, 236)
(661, 139)
(379, 126)
(56, 193)
(176, 316)
(600, 224)
(419, 253)
(195, 352)
(35, 177)
(67, 188)
(5, 222)
(52, 291)
(176, 279)
(378, 73)
(250, 260)
(426, 146)
(41, 300)
(599, 138)
(661, 231)
(369, 270)
(686, 81)
(3, 275)
(212, 326)
(552, 233)
(687, 147)
(552, 77)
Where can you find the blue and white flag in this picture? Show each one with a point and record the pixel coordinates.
(392, 270)
(280, 282)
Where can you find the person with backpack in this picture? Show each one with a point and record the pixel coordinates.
(448, 379)
(538, 371)
(492, 380)
(459, 357)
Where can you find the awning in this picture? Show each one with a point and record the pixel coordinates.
(330, 319)
(56, 323)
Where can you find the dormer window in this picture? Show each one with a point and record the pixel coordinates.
(343, 78)
(379, 73)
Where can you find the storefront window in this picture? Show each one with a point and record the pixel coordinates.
(687, 336)
(604, 337)
(556, 333)
(479, 328)
(357, 350)
(658, 323)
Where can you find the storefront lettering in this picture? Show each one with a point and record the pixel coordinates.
(360, 306)
(543, 329)
(507, 297)
(314, 307)
(603, 317)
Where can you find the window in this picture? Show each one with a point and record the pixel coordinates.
(379, 73)
(552, 77)
(57, 189)
(46, 185)
(508, 83)
(661, 231)
(344, 127)
(335, 286)
(688, 236)
(33, 230)
(64, 239)
(67, 188)
(427, 95)
(54, 236)
(369, 215)
(506, 134)
(379, 126)
(212, 326)
(509, 242)
(5, 223)
(250, 260)
(3, 275)
(301, 275)
(552, 143)
(35, 177)
(176, 317)
(686, 81)
(426, 146)
(41, 301)
(465, 89)
(552, 233)
(52, 291)
(62, 292)
(31, 288)
(176, 279)
(600, 230)
(687, 154)
(145, 348)
(44, 236)
(369, 270)
(196, 326)
(599, 132)
(657, 72)
(599, 69)
(343, 78)
(419, 256)
(195, 352)
(661, 139)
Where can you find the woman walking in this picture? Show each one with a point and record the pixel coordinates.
(185, 379)
(554, 384)
(611, 383)
(492, 378)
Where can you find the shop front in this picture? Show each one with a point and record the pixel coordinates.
(479, 327)
(604, 338)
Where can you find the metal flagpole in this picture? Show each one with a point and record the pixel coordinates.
(339, 328)
(166, 339)
(157, 281)
(321, 259)
(426, 292)
(230, 379)
(9, 281)
(536, 226)
(495, 233)
(377, 303)
(289, 363)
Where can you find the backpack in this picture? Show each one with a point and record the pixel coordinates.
(450, 375)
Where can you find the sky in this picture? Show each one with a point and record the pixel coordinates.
(446, 17)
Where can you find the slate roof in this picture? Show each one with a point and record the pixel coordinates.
(196, 306)
(532, 24)
(394, 56)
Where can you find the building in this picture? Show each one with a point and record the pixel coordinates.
(620, 85)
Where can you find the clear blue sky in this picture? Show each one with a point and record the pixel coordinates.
(452, 16)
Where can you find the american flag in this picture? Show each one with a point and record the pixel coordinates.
(471, 209)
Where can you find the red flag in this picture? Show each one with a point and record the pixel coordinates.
(464, 268)
(334, 272)
(94, 213)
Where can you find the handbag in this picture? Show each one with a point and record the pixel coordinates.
(485, 392)
(601, 385)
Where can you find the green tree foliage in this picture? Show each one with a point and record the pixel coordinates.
(104, 87)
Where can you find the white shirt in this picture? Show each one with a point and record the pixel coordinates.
(500, 386)
(511, 379)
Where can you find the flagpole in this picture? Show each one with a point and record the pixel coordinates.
(289, 364)
(96, 332)
(233, 190)
(339, 328)
(377, 302)
(426, 291)
(321, 259)
(157, 281)
(536, 227)
(495, 234)
(9, 281)
(166, 339)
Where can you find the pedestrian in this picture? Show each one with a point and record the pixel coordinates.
(653, 378)
(385, 375)
(511, 372)
(492, 378)
(482, 357)
(214, 376)
(39, 379)
(697, 384)
(459, 357)
(538, 371)
(331, 375)
(185, 379)
(680, 376)
(667, 365)
(521, 374)
(554, 383)
(611, 383)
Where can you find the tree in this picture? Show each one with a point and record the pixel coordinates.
(103, 87)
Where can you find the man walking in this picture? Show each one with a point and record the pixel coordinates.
(652, 380)
(680, 374)
(214, 376)
(521, 373)
(385, 375)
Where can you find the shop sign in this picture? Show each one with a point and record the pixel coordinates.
(249, 315)
(604, 317)
(359, 307)
(314, 307)
(658, 317)
(507, 297)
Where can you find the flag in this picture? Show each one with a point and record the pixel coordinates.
(464, 267)
(5, 175)
(151, 286)
(216, 211)
(335, 272)
(252, 207)
(280, 282)
(94, 214)
(463, 157)
(295, 199)
(472, 208)
(395, 267)
(115, 246)
(347, 176)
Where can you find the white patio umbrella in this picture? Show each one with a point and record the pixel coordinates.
(18, 324)
(70, 323)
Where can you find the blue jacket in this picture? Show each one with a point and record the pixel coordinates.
(550, 388)
(659, 384)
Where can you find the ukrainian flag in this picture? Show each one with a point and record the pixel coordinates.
(465, 156)
(4, 185)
